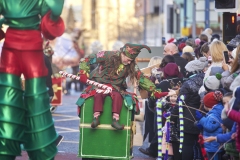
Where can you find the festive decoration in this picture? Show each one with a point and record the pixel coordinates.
(180, 103)
(167, 116)
(160, 103)
(104, 88)
(201, 143)
(120, 68)
(48, 51)
(57, 89)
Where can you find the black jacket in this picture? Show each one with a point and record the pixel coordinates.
(181, 62)
(190, 90)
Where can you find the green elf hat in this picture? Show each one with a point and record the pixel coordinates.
(133, 50)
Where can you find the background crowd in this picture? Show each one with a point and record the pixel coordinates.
(206, 72)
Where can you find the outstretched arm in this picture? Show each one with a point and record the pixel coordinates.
(146, 84)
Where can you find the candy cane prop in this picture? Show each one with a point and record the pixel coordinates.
(104, 88)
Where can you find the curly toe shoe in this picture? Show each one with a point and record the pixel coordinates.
(95, 122)
(116, 125)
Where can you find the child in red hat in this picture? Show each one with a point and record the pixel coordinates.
(212, 122)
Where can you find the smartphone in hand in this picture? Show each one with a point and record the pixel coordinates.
(226, 56)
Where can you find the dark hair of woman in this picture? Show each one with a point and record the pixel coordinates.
(188, 56)
(167, 59)
(203, 37)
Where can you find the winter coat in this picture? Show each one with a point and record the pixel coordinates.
(189, 90)
(227, 78)
(212, 126)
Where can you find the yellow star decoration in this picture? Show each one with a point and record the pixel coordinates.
(55, 89)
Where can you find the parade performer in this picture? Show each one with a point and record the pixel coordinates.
(25, 116)
(113, 69)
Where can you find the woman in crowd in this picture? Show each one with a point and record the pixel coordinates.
(159, 76)
(216, 50)
(188, 56)
(229, 75)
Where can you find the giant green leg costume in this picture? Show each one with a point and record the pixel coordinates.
(11, 126)
(40, 131)
(25, 117)
(33, 116)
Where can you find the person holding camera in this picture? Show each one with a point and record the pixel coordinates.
(230, 74)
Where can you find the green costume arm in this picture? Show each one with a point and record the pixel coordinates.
(100, 57)
(56, 7)
(144, 82)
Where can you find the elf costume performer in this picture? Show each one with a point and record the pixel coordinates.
(25, 116)
(113, 69)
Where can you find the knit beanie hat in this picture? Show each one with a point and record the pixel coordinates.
(212, 98)
(188, 49)
(181, 46)
(171, 70)
(197, 41)
(212, 82)
(197, 65)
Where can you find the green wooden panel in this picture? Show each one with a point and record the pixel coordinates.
(104, 142)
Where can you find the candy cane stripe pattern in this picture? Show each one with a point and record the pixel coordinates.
(159, 128)
(102, 88)
(180, 103)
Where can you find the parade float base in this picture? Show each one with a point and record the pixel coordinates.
(104, 142)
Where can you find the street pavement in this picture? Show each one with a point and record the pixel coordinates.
(66, 124)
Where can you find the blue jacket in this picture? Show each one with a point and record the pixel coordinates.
(212, 127)
(223, 138)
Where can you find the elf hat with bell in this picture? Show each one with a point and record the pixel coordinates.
(132, 50)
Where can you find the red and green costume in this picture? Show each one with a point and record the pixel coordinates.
(25, 116)
(102, 74)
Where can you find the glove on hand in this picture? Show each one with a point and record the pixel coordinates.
(198, 115)
(198, 125)
(83, 77)
(158, 95)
